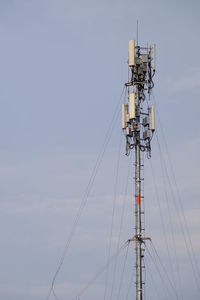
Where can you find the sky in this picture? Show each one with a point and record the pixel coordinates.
(63, 65)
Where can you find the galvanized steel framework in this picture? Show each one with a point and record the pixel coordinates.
(138, 125)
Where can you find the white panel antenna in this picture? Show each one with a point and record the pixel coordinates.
(132, 105)
(124, 114)
(131, 60)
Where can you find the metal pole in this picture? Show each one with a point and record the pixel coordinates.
(138, 203)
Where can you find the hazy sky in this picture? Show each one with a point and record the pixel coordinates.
(62, 70)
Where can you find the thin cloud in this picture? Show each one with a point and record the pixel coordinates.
(187, 82)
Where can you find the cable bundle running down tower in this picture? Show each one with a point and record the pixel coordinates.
(139, 126)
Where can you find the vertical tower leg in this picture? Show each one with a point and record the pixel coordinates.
(138, 224)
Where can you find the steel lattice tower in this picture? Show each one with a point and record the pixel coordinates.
(138, 125)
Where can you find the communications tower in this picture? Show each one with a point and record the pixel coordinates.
(138, 125)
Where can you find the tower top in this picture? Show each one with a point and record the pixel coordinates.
(138, 112)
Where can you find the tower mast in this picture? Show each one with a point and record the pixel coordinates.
(138, 124)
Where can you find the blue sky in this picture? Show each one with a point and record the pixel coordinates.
(62, 70)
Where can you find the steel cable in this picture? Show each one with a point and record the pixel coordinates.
(165, 271)
(190, 249)
(195, 264)
(130, 284)
(161, 214)
(90, 282)
(113, 213)
(87, 192)
(121, 224)
(153, 281)
(122, 274)
(164, 172)
(161, 276)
